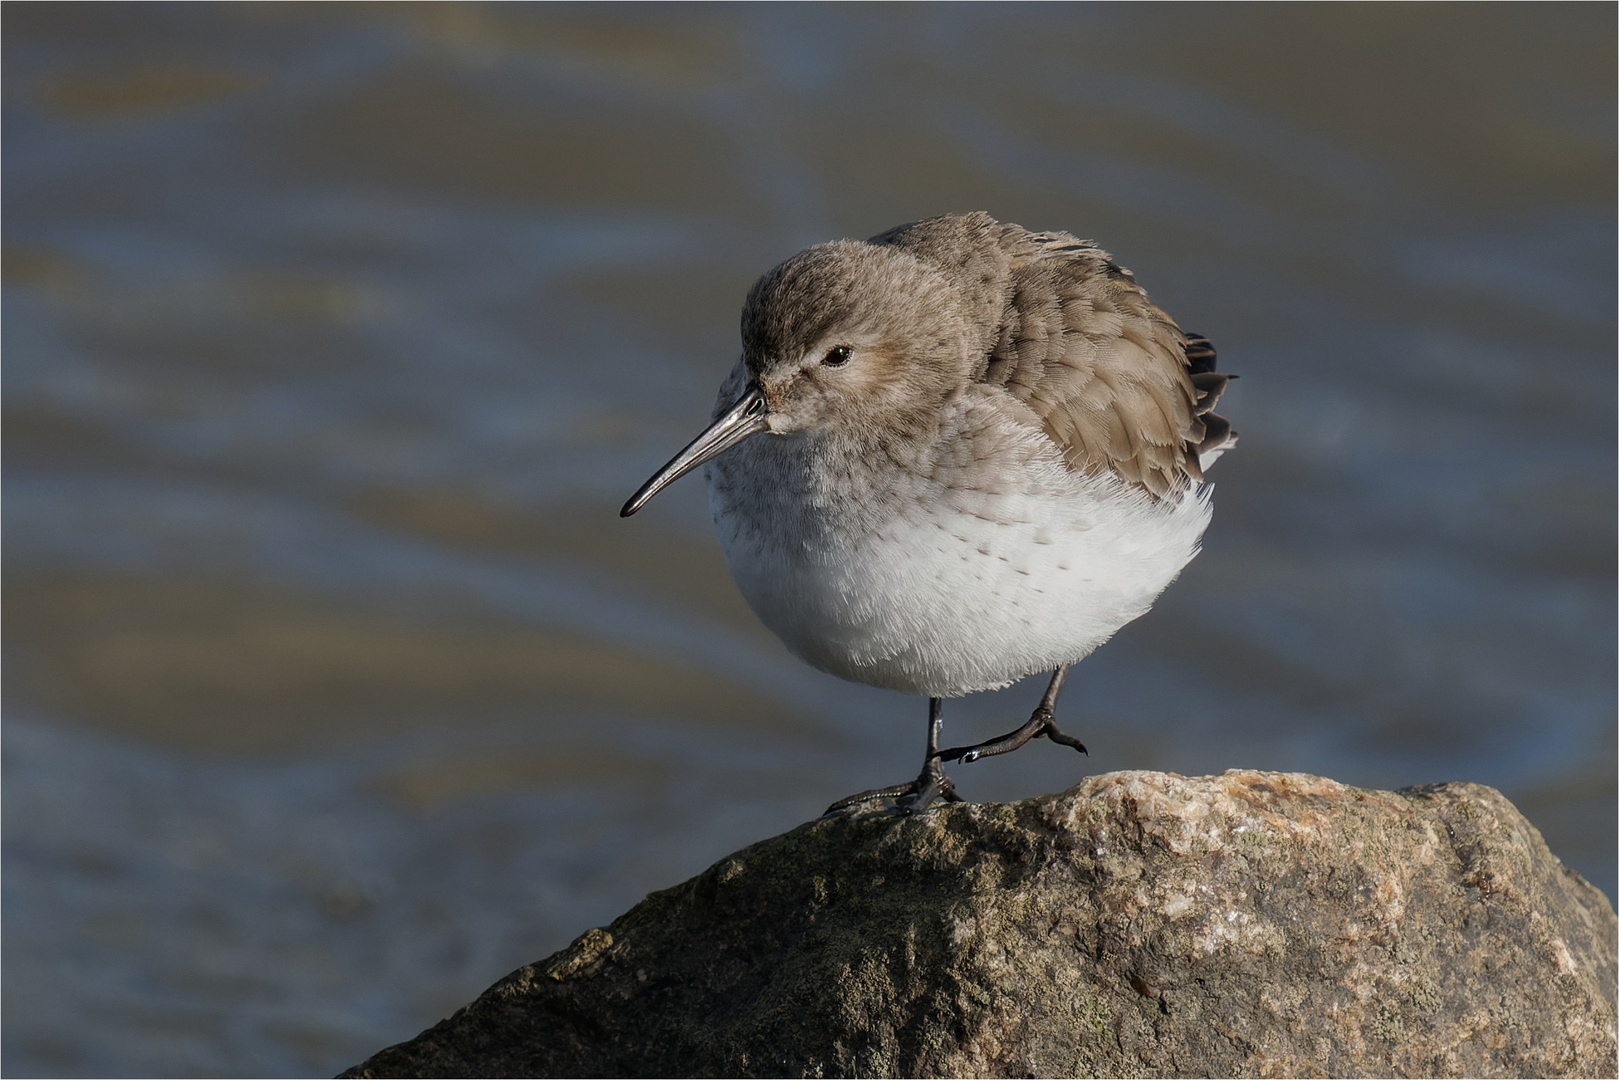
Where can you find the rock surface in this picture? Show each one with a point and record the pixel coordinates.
(1140, 924)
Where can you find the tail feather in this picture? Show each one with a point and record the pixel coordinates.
(1210, 384)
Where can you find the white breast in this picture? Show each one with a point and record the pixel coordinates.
(992, 563)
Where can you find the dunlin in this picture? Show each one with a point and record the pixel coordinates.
(954, 455)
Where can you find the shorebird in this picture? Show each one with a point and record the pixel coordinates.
(954, 455)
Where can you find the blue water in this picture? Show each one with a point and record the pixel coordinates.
(334, 338)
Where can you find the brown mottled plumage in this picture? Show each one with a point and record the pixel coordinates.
(955, 455)
(1076, 339)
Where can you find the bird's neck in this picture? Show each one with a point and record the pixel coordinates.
(812, 481)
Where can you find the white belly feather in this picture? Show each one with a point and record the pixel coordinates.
(976, 575)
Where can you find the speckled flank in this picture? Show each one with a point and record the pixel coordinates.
(1141, 924)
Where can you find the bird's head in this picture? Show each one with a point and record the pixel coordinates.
(841, 338)
(853, 333)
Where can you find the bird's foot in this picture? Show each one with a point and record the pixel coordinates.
(1043, 722)
(913, 797)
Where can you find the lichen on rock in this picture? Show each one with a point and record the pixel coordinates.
(1140, 924)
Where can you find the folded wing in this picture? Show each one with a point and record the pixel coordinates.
(1117, 385)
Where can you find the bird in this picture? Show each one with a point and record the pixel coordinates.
(955, 455)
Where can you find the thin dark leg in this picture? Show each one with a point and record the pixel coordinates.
(1043, 722)
(930, 784)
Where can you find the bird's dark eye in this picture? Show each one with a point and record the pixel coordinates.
(838, 356)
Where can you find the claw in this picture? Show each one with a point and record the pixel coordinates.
(1065, 740)
(873, 795)
(932, 783)
(911, 798)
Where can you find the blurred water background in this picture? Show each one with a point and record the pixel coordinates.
(334, 337)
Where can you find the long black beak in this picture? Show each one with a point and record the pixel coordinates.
(741, 421)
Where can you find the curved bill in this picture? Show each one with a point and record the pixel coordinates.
(741, 421)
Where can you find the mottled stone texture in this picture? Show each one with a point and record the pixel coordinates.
(1141, 924)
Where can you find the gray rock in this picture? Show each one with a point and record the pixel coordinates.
(1141, 924)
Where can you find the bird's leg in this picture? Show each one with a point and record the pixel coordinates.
(930, 784)
(1043, 722)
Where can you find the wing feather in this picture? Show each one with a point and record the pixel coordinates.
(1112, 382)
(1116, 384)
